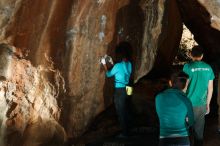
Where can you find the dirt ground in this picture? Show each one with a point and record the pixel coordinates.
(148, 136)
(211, 136)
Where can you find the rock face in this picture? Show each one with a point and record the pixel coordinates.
(51, 76)
(213, 9)
(28, 102)
(202, 18)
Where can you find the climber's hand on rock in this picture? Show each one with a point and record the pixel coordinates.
(103, 61)
(111, 61)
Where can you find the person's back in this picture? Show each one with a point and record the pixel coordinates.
(175, 113)
(199, 90)
(199, 75)
(172, 108)
(121, 72)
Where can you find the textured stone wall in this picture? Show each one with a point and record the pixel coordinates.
(202, 19)
(52, 78)
(213, 9)
(28, 101)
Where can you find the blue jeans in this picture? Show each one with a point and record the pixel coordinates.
(174, 141)
(120, 97)
(199, 117)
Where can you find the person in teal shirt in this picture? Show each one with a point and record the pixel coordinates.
(175, 112)
(121, 72)
(199, 90)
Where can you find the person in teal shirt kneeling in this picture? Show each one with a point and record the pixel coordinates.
(175, 112)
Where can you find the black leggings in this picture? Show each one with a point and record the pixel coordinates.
(174, 141)
(120, 98)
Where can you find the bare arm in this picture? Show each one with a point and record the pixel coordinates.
(187, 83)
(209, 95)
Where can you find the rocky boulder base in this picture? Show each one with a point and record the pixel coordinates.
(28, 102)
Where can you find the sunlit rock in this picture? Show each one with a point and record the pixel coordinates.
(28, 100)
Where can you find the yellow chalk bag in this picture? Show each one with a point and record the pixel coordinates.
(129, 90)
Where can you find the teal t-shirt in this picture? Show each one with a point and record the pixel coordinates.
(199, 75)
(122, 72)
(172, 107)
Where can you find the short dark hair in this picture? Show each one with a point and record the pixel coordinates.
(197, 51)
(178, 79)
(123, 51)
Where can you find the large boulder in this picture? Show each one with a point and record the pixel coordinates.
(57, 47)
